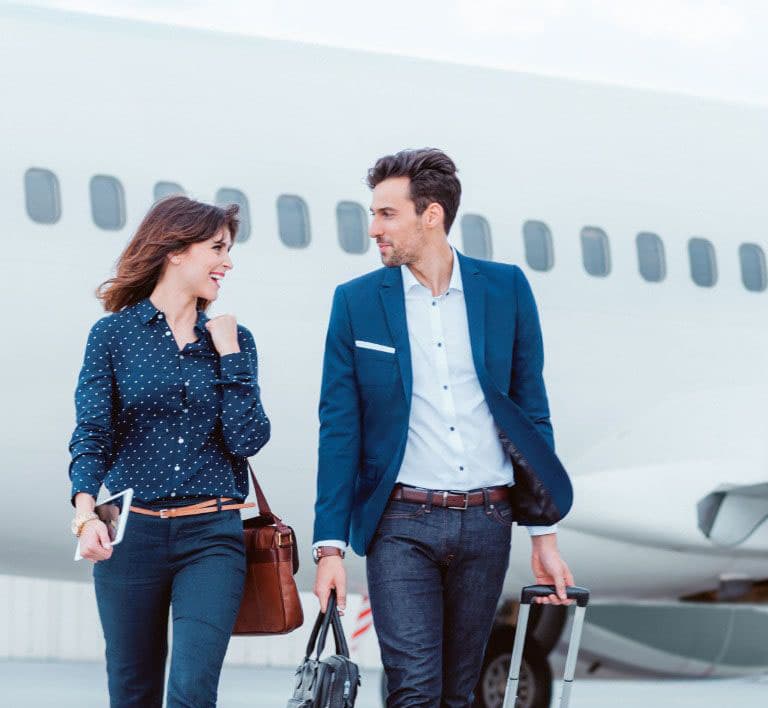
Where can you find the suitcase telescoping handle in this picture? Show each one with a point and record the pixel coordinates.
(581, 595)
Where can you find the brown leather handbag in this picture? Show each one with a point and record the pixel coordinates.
(270, 603)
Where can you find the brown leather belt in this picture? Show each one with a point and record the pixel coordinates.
(450, 500)
(209, 506)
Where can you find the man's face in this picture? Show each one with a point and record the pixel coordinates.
(397, 228)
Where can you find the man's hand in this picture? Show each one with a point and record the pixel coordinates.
(331, 574)
(550, 569)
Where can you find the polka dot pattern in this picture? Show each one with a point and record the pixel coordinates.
(169, 423)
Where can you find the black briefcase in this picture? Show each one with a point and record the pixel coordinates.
(331, 682)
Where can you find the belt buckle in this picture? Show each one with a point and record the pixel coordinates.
(163, 513)
(462, 508)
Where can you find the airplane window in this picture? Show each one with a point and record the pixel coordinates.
(293, 221)
(753, 273)
(166, 189)
(476, 236)
(701, 255)
(227, 195)
(539, 250)
(352, 226)
(41, 189)
(595, 251)
(107, 202)
(650, 257)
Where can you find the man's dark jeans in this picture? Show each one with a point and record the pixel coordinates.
(195, 564)
(434, 577)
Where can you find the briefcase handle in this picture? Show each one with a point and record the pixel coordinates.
(324, 620)
(573, 592)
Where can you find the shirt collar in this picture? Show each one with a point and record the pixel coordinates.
(410, 281)
(147, 313)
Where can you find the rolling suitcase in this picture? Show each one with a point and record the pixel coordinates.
(581, 595)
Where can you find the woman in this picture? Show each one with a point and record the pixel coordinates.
(168, 403)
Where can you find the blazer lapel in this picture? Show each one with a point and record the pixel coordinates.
(393, 302)
(474, 297)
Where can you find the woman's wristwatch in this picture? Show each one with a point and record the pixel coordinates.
(319, 552)
(81, 520)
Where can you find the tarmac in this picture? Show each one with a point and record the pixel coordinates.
(40, 684)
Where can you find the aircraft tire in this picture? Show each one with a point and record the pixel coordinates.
(535, 687)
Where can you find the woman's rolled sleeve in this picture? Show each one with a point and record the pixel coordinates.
(245, 425)
(91, 443)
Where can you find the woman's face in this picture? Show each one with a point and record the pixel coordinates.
(203, 265)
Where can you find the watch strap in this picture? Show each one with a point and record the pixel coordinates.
(325, 551)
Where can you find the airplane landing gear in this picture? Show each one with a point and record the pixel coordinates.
(535, 687)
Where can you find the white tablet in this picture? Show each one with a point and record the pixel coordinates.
(114, 513)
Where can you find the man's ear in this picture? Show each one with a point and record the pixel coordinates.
(434, 216)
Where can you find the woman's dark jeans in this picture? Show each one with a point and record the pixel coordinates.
(195, 565)
(434, 577)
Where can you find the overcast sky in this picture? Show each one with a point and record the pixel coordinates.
(713, 48)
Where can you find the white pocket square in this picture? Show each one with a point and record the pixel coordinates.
(372, 345)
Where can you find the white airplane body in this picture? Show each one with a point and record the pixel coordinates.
(657, 389)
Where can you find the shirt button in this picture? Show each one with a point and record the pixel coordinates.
(160, 316)
(186, 383)
(177, 468)
(181, 440)
(167, 334)
(439, 344)
(433, 303)
(461, 469)
(181, 356)
(173, 494)
(185, 410)
(445, 388)
(452, 428)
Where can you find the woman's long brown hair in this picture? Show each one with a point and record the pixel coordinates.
(170, 226)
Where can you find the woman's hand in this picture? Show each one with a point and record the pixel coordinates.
(95, 544)
(223, 329)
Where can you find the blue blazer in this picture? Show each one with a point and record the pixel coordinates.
(365, 398)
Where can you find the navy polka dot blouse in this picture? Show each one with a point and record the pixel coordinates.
(170, 423)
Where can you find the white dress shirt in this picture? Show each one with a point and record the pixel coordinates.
(453, 442)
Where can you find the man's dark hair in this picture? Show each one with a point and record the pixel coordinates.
(433, 179)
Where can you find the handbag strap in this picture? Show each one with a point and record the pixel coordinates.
(261, 500)
(338, 633)
(329, 618)
(313, 635)
(263, 504)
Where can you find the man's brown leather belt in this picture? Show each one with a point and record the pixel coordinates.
(449, 500)
(205, 507)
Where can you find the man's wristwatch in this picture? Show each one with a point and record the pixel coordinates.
(81, 520)
(319, 552)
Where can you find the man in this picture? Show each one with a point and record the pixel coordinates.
(432, 406)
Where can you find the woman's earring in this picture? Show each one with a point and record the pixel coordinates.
(175, 260)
